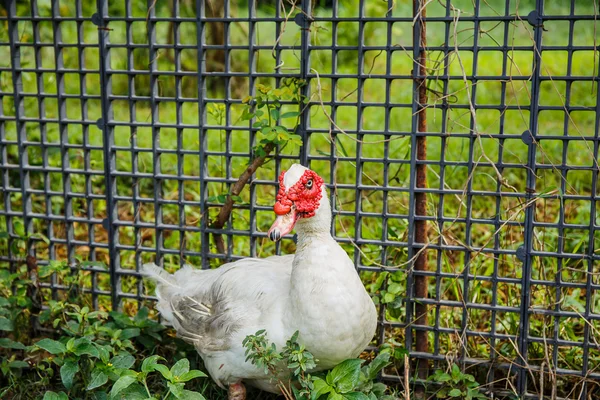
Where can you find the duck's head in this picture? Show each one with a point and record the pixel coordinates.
(301, 197)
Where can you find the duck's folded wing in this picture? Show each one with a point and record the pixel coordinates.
(207, 306)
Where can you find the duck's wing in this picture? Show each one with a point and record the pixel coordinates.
(207, 306)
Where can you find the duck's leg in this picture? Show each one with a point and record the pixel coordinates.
(237, 391)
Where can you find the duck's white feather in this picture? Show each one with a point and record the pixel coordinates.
(316, 291)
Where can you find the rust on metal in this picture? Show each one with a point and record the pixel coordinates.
(421, 282)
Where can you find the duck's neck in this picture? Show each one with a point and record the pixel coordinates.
(314, 230)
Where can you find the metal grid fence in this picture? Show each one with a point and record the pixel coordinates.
(120, 128)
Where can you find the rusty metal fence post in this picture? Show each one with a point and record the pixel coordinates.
(417, 281)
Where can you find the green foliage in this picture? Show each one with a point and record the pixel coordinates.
(94, 358)
(15, 304)
(266, 109)
(86, 354)
(391, 294)
(456, 385)
(261, 353)
(349, 380)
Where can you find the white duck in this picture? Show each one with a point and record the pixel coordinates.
(316, 292)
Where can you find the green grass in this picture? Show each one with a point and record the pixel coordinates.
(452, 146)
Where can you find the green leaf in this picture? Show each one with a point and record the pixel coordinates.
(11, 344)
(377, 285)
(100, 396)
(296, 139)
(320, 387)
(164, 371)
(71, 344)
(40, 236)
(181, 367)
(356, 396)
(135, 392)
(246, 115)
(149, 363)
(260, 151)
(176, 389)
(189, 395)
(289, 114)
(260, 123)
(442, 377)
(51, 346)
(335, 396)
(84, 346)
(45, 316)
(381, 361)
(442, 393)
(265, 130)
(275, 113)
(122, 320)
(6, 324)
(55, 396)
(142, 315)
(454, 393)
(345, 376)
(378, 389)
(394, 288)
(46, 270)
(99, 378)
(191, 375)
(121, 384)
(67, 373)
(104, 352)
(388, 297)
(129, 333)
(122, 361)
(18, 364)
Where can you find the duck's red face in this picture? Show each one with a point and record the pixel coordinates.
(301, 200)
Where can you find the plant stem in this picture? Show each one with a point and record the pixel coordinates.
(285, 390)
(146, 386)
(236, 189)
(269, 111)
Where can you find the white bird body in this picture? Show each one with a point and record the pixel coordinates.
(316, 292)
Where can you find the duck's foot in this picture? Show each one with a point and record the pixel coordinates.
(237, 391)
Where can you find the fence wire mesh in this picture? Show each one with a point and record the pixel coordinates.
(121, 135)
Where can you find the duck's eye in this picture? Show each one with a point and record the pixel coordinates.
(309, 184)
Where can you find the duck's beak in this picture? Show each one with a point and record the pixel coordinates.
(284, 223)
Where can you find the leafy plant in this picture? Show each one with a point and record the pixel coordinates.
(266, 108)
(94, 358)
(390, 293)
(133, 384)
(456, 384)
(350, 380)
(89, 354)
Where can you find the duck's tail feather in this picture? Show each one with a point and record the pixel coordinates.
(176, 304)
(158, 274)
(166, 288)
